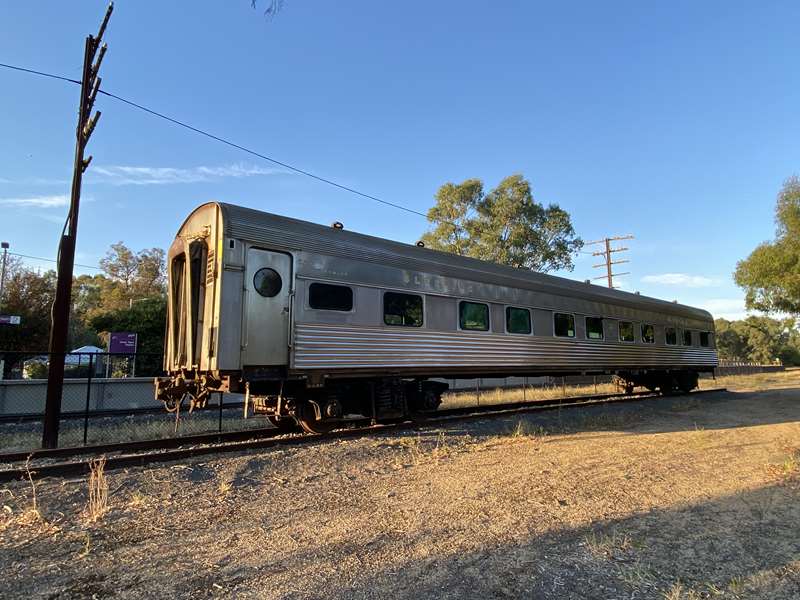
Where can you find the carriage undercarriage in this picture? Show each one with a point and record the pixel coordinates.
(292, 404)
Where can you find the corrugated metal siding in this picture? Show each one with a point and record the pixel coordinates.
(347, 347)
(283, 233)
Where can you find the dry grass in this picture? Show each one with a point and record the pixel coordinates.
(30, 517)
(527, 430)
(457, 399)
(789, 378)
(788, 468)
(97, 504)
(603, 545)
(677, 505)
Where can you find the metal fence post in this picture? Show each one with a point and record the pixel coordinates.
(220, 412)
(88, 399)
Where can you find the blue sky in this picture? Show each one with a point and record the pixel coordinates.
(675, 121)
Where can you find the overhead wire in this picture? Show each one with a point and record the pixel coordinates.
(51, 260)
(230, 143)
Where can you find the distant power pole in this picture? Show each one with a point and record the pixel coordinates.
(90, 86)
(5, 247)
(607, 253)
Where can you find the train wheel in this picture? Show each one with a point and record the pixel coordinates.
(687, 381)
(307, 419)
(285, 424)
(667, 385)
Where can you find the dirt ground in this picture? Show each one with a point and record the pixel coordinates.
(674, 498)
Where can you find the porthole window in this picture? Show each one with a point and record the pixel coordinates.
(648, 333)
(267, 282)
(671, 336)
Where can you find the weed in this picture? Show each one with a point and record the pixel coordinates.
(523, 429)
(138, 500)
(97, 505)
(736, 586)
(87, 546)
(441, 449)
(224, 487)
(414, 448)
(606, 546)
(789, 467)
(637, 575)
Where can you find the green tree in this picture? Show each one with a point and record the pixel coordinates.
(758, 339)
(128, 277)
(770, 276)
(505, 226)
(146, 318)
(29, 295)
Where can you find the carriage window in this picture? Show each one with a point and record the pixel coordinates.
(687, 337)
(564, 325)
(472, 315)
(626, 331)
(671, 336)
(594, 328)
(324, 296)
(518, 320)
(705, 339)
(404, 310)
(648, 334)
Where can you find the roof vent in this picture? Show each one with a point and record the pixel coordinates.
(420, 244)
(587, 281)
(636, 292)
(337, 225)
(674, 301)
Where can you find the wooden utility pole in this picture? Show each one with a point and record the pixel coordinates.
(607, 254)
(90, 86)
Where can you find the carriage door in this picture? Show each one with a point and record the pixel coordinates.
(267, 291)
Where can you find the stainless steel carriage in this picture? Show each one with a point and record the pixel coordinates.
(317, 322)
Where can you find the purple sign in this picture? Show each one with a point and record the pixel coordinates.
(122, 343)
(10, 320)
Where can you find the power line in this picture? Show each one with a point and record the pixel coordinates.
(229, 143)
(52, 260)
(43, 74)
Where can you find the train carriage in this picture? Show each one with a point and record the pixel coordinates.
(316, 323)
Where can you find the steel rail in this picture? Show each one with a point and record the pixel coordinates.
(266, 438)
(102, 413)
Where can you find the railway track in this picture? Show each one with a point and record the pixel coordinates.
(139, 453)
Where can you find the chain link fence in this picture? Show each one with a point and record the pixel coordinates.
(107, 398)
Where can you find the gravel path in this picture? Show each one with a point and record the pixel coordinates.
(678, 498)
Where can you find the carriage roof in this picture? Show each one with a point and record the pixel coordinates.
(294, 234)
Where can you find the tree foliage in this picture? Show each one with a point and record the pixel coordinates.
(758, 339)
(29, 295)
(128, 296)
(505, 225)
(770, 276)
